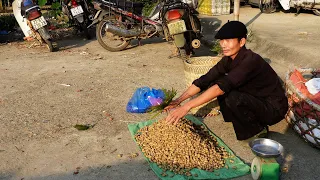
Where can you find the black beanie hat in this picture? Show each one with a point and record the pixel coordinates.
(232, 29)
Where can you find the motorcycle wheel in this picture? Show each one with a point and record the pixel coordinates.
(267, 6)
(49, 45)
(105, 38)
(316, 12)
(45, 37)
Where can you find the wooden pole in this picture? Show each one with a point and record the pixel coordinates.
(236, 10)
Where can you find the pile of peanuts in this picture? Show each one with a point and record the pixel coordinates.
(181, 147)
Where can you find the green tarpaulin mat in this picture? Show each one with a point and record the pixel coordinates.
(236, 167)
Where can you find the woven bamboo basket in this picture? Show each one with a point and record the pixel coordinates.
(303, 115)
(194, 68)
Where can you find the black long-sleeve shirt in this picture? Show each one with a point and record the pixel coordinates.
(248, 73)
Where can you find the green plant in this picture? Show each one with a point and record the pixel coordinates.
(216, 48)
(250, 34)
(56, 9)
(147, 6)
(42, 2)
(168, 96)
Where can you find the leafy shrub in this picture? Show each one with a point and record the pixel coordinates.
(56, 9)
(216, 48)
(42, 2)
(148, 6)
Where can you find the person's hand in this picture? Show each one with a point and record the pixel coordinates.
(175, 115)
(173, 104)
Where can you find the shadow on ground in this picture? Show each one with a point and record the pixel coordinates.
(14, 36)
(129, 170)
(65, 39)
(296, 156)
(72, 43)
(72, 38)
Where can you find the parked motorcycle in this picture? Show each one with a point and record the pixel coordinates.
(37, 23)
(313, 5)
(121, 21)
(270, 6)
(183, 25)
(80, 13)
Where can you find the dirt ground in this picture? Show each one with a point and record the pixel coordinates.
(43, 95)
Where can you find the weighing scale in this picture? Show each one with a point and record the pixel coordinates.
(264, 166)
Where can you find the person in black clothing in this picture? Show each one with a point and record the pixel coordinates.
(248, 90)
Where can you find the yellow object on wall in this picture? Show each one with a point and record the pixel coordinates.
(214, 7)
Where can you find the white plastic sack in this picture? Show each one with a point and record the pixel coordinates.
(313, 85)
(16, 6)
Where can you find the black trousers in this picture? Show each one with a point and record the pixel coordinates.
(248, 114)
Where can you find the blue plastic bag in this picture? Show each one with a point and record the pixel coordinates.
(143, 98)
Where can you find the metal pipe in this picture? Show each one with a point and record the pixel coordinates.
(122, 32)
